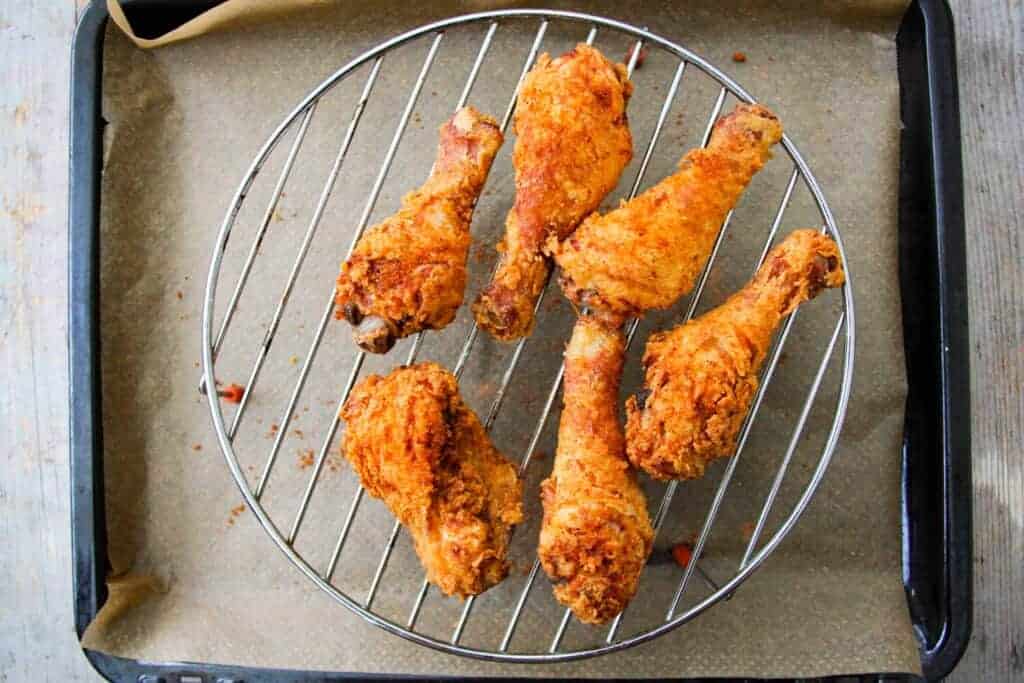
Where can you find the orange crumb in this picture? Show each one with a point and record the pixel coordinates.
(335, 461)
(197, 446)
(640, 58)
(235, 511)
(306, 458)
(739, 57)
(179, 294)
(479, 252)
(682, 554)
(233, 393)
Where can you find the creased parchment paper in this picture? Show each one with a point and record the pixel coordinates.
(184, 124)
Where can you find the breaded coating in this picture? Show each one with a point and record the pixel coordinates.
(572, 143)
(420, 449)
(701, 376)
(650, 251)
(408, 273)
(596, 534)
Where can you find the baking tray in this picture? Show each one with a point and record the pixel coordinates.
(936, 466)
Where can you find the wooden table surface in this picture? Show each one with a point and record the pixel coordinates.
(37, 640)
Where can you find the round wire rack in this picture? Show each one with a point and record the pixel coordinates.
(284, 529)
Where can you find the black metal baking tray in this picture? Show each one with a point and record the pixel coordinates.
(936, 455)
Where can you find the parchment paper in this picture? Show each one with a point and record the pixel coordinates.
(185, 122)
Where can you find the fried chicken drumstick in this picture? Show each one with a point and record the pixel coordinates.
(572, 143)
(702, 376)
(649, 252)
(596, 534)
(420, 449)
(408, 272)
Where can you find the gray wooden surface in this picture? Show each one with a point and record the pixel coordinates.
(37, 640)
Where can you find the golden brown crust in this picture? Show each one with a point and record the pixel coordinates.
(420, 449)
(701, 376)
(572, 143)
(649, 252)
(408, 273)
(596, 534)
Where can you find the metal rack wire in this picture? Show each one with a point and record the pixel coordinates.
(300, 119)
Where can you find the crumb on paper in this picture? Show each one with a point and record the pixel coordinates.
(306, 458)
(197, 446)
(682, 553)
(273, 431)
(335, 461)
(179, 294)
(479, 252)
(299, 433)
(233, 393)
(294, 360)
(235, 512)
(739, 57)
(640, 58)
(195, 364)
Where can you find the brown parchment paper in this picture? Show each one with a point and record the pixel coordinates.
(198, 580)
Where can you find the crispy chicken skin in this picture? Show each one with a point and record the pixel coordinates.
(702, 376)
(649, 252)
(408, 273)
(420, 449)
(572, 143)
(596, 534)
